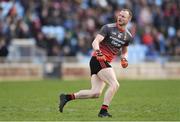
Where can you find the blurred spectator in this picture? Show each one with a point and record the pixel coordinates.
(3, 49)
(67, 27)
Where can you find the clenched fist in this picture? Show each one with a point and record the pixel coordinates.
(124, 62)
(100, 56)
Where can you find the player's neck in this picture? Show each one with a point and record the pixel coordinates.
(121, 28)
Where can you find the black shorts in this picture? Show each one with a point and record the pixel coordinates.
(96, 66)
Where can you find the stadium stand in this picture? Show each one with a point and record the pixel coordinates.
(67, 27)
(62, 28)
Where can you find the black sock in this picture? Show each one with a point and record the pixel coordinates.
(70, 97)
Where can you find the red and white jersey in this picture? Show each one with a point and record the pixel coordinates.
(113, 41)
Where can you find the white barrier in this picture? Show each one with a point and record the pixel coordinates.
(20, 71)
(136, 71)
(29, 71)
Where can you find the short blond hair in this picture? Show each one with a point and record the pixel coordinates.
(129, 11)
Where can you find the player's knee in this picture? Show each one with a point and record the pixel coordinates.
(96, 94)
(117, 85)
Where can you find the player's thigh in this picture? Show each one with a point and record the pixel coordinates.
(96, 83)
(108, 75)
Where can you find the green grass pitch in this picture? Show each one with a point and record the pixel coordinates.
(136, 100)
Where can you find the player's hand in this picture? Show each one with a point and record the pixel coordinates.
(124, 62)
(100, 56)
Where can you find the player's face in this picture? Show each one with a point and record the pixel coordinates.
(123, 18)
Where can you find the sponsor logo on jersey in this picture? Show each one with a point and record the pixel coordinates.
(116, 42)
(114, 33)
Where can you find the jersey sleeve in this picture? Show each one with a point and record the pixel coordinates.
(104, 31)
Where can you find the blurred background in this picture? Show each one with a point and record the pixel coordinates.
(52, 38)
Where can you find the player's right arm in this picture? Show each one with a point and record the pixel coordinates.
(98, 39)
(95, 44)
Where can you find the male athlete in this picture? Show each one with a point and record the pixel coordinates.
(112, 39)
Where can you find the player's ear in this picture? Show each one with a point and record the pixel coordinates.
(130, 14)
(130, 17)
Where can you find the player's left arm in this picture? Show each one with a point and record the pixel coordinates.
(124, 52)
(124, 55)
